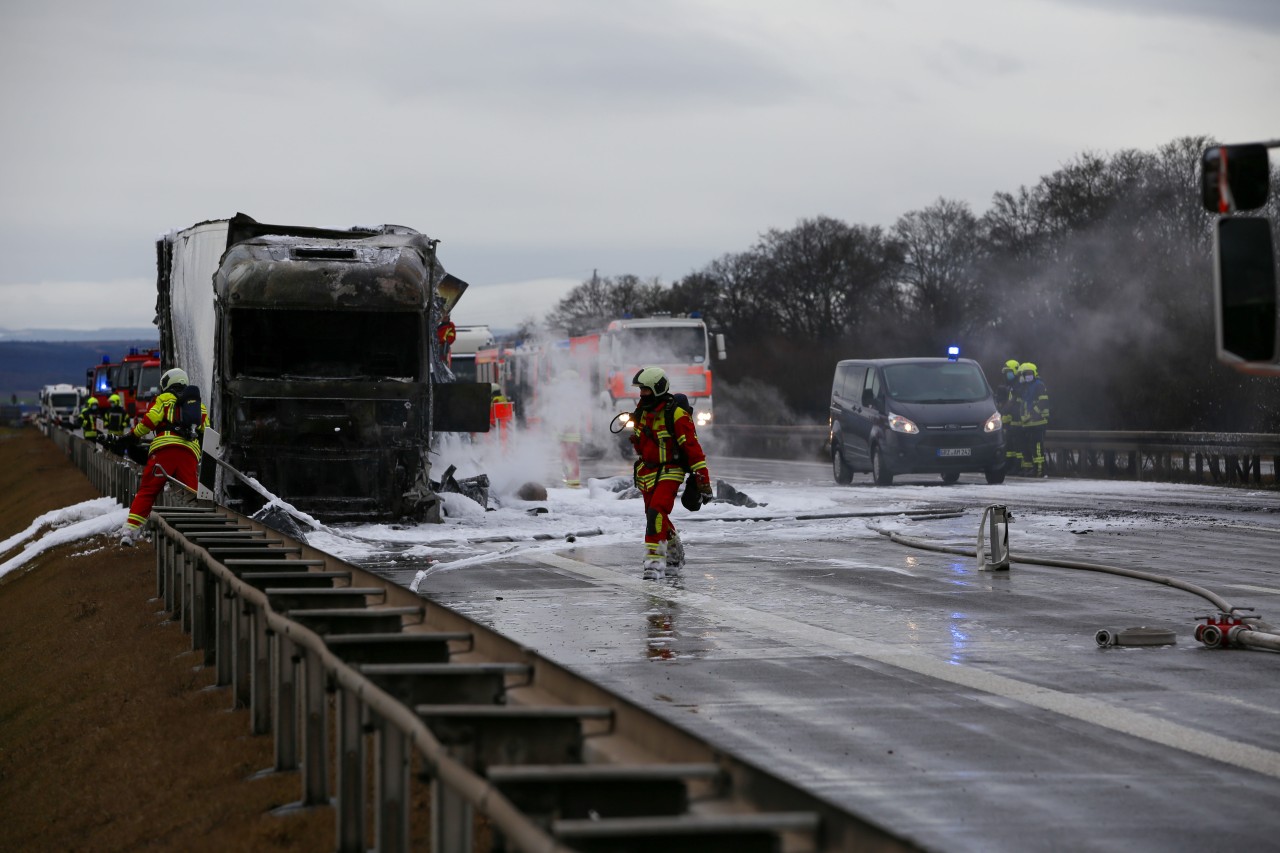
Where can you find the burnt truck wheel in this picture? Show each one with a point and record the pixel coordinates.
(880, 468)
(950, 477)
(995, 476)
(842, 472)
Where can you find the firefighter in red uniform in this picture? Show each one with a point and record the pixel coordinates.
(175, 449)
(446, 334)
(666, 443)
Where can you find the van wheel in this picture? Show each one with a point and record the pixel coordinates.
(880, 469)
(995, 476)
(843, 473)
(950, 477)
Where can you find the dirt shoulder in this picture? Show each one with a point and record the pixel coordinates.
(112, 736)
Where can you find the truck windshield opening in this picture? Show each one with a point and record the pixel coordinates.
(324, 344)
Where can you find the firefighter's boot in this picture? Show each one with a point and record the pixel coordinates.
(652, 565)
(675, 554)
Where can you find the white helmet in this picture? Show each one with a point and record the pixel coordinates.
(653, 378)
(173, 380)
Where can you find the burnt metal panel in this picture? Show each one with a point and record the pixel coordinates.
(461, 407)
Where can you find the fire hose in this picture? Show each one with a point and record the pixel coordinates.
(1227, 628)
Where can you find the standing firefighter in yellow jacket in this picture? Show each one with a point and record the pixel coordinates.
(178, 418)
(666, 443)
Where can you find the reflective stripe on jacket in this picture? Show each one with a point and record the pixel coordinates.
(159, 419)
(657, 447)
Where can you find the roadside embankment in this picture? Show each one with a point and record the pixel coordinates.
(112, 736)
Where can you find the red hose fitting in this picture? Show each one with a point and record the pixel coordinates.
(1220, 631)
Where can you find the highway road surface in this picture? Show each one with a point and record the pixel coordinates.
(963, 709)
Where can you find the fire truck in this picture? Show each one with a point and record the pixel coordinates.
(605, 362)
(103, 380)
(135, 377)
(679, 345)
(132, 382)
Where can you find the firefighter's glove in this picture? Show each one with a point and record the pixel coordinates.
(704, 486)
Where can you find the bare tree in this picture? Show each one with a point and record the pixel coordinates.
(942, 245)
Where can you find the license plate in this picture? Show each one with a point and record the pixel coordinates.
(954, 451)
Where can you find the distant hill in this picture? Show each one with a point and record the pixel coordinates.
(27, 366)
(142, 333)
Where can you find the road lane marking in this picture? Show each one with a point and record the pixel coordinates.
(1252, 588)
(1085, 709)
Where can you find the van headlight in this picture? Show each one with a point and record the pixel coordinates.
(703, 418)
(993, 423)
(898, 423)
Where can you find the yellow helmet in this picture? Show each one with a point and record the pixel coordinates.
(114, 399)
(1028, 367)
(93, 402)
(1011, 364)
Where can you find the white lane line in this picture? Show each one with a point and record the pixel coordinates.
(1252, 588)
(1092, 711)
(1253, 527)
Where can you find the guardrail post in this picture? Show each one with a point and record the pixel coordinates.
(182, 592)
(222, 657)
(392, 775)
(315, 737)
(351, 768)
(163, 555)
(170, 576)
(199, 612)
(260, 683)
(285, 713)
(162, 560)
(451, 818)
(241, 654)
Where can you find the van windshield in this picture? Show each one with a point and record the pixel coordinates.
(936, 382)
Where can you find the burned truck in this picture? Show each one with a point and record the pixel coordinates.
(317, 353)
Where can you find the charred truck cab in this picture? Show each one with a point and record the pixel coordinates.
(321, 376)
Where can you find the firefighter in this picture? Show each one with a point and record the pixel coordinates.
(501, 413)
(446, 334)
(1009, 404)
(1035, 419)
(175, 450)
(114, 421)
(666, 444)
(89, 420)
(564, 414)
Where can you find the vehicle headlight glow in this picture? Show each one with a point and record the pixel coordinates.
(703, 418)
(898, 423)
(993, 423)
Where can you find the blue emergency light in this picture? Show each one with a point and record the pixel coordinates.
(953, 352)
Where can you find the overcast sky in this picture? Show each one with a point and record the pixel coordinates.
(541, 140)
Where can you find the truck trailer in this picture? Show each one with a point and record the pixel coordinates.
(315, 351)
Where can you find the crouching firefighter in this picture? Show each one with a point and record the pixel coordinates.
(666, 443)
(178, 418)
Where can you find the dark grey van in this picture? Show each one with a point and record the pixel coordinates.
(914, 416)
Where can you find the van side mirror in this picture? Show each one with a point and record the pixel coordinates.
(868, 398)
(720, 352)
(1245, 290)
(1234, 177)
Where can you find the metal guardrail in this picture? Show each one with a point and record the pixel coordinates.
(321, 652)
(1230, 458)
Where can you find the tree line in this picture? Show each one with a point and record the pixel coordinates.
(1100, 274)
